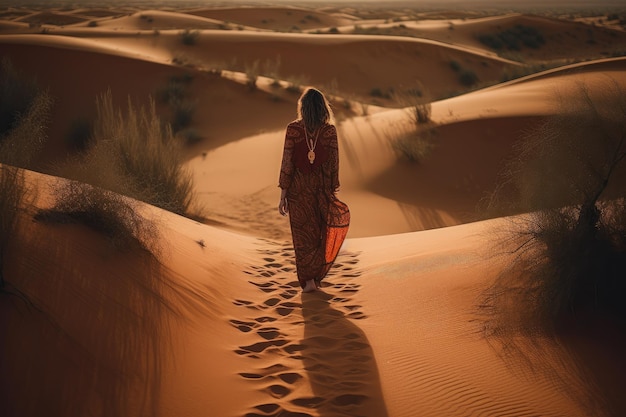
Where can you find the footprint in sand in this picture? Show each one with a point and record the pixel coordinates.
(274, 276)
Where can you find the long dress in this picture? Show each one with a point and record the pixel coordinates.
(319, 221)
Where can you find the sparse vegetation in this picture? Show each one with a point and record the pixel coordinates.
(416, 145)
(380, 93)
(252, 74)
(12, 194)
(271, 68)
(467, 77)
(570, 175)
(175, 95)
(189, 37)
(106, 212)
(413, 100)
(514, 38)
(295, 83)
(79, 135)
(24, 116)
(134, 155)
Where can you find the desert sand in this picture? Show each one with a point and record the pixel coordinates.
(213, 323)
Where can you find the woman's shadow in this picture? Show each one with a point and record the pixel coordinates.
(339, 362)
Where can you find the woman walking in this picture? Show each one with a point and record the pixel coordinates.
(309, 180)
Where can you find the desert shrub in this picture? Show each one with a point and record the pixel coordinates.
(414, 100)
(12, 194)
(16, 95)
(183, 111)
(468, 77)
(271, 68)
(252, 74)
(570, 175)
(79, 135)
(134, 155)
(189, 37)
(104, 211)
(514, 38)
(421, 113)
(415, 146)
(296, 83)
(380, 93)
(190, 136)
(24, 116)
(175, 95)
(524, 70)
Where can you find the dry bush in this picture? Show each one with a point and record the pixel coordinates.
(415, 101)
(570, 251)
(189, 37)
(106, 212)
(415, 146)
(24, 117)
(134, 155)
(12, 194)
(252, 74)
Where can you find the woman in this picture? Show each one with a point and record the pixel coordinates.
(309, 179)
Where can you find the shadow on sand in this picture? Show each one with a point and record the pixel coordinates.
(339, 361)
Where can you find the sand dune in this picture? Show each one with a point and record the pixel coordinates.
(159, 20)
(275, 18)
(242, 326)
(213, 320)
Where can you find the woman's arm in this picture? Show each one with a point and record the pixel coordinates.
(286, 170)
(333, 154)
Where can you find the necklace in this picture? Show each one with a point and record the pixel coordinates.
(311, 145)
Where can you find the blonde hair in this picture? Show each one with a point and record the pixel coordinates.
(313, 109)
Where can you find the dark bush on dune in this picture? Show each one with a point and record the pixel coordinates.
(570, 175)
(514, 38)
(106, 212)
(24, 115)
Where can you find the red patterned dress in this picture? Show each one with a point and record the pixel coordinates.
(319, 221)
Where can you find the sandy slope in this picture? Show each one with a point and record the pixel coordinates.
(214, 322)
(393, 333)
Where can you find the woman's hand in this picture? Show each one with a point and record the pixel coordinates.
(283, 207)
